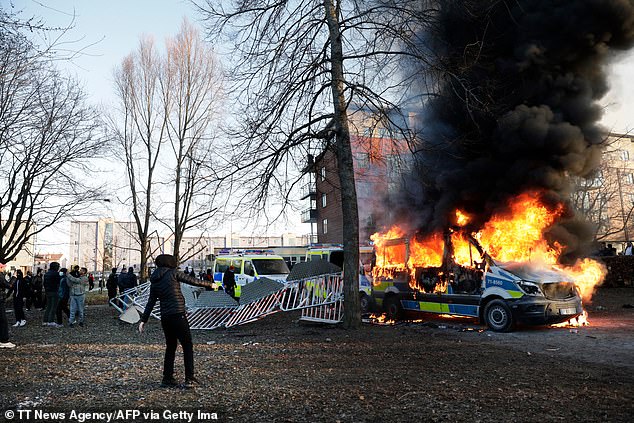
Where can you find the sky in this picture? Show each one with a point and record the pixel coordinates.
(106, 32)
(110, 29)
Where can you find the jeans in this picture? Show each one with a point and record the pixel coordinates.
(176, 328)
(77, 303)
(51, 307)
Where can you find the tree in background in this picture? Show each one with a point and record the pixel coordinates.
(297, 67)
(47, 136)
(167, 106)
(140, 129)
(192, 84)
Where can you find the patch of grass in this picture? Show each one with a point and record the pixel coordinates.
(95, 297)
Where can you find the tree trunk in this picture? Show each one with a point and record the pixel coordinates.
(352, 313)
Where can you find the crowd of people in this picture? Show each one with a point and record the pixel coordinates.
(59, 291)
(56, 292)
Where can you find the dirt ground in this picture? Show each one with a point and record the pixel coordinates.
(281, 370)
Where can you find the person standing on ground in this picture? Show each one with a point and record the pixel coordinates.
(51, 286)
(111, 285)
(4, 324)
(77, 287)
(127, 281)
(38, 301)
(165, 287)
(19, 293)
(229, 282)
(64, 297)
(28, 284)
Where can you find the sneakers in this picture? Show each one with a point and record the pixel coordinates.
(46, 324)
(17, 324)
(169, 383)
(7, 345)
(71, 325)
(22, 323)
(191, 383)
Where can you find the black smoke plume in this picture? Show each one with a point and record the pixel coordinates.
(516, 109)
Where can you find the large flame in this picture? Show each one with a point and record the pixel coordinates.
(516, 235)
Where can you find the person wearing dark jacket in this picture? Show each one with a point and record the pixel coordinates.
(19, 294)
(37, 290)
(4, 324)
(165, 287)
(111, 285)
(51, 286)
(63, 293)
(127, 280)
(229, 282)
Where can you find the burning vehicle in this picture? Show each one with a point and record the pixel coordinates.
(456, 273)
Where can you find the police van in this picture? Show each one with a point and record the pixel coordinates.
(498, 294)
(333, 253)
(250, 265)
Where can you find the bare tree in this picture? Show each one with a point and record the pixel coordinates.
(607, 199)
(191, 82)
(140, 129)
(298, 66)
(47, 135)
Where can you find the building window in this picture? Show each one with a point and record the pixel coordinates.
(630, 178)
(322, 174)
(324, 225)
(324, 201)
(625, 155)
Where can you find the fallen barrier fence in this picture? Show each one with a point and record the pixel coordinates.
(320, 299)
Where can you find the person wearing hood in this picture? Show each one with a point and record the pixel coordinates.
(165, 287)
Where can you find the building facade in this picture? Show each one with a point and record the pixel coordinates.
(607, 198)
(102, 244)
(380, 156)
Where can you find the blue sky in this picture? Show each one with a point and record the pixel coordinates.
(116, 25)
(109, 29)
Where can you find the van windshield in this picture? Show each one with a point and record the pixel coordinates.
(270, 267)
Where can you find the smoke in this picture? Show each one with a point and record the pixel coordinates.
(516, 109)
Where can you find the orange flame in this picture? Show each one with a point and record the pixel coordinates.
(462, 218)
(515, 235)
(518, 234)
(587, 274)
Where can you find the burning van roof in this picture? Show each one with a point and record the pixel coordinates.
(535, 272)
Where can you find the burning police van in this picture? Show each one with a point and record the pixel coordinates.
(453, 275)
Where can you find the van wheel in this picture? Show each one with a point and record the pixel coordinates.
(364, 302)
(498, 316)
(392, 308)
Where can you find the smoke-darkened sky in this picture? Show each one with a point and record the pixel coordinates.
(518, 108)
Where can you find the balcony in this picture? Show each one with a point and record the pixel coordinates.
(309, 216)
(308, 190)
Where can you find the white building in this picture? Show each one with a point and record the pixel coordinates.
(102, 244)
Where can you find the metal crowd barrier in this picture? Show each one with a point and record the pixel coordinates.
(313, 292)
(258, 299)
(320, 298)
(329, 313)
